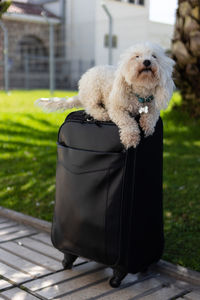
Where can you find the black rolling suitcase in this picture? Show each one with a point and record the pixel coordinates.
(108, 200)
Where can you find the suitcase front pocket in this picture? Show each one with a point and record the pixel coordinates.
(88, 200)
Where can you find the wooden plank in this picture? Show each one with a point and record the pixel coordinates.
(71, 286)
(13, 274)
(194, 295)
(47, 250)
(61, 276)
(3, 220)
(17, 294)
(12, 229)
(32, 256)
(25, 219)
(4, 284)
(7, 224)
(46, 247)
(22, 233)
(102, 288)
(41, 248)
(164, 293)
(129, 288)
(178, 272)
(145, 287)
(43, 237)
(21, 264)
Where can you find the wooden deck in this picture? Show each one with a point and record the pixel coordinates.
(30, 268)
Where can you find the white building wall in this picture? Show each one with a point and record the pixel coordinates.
(54, 7)
(160, 33)
(80, 35)
(131, 24)
(80, 27)
(80, 18)
(87, 24)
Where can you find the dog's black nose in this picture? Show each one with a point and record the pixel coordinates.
(146, 62)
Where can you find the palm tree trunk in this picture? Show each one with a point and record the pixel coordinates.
(186, 53)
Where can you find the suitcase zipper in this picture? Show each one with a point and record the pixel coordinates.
(88, 119)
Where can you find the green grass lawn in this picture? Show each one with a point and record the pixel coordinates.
(28, 164)
(28, 153)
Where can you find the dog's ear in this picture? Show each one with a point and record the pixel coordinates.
(118, 92)
(166, 85)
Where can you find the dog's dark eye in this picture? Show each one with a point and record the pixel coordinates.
(137, 56)
(154, 56)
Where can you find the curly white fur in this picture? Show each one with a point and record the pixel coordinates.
(109, 93)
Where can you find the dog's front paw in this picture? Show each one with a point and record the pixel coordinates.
(105, 116)
(149, 131)
(130, 138)
(100, 114)
(146, 126)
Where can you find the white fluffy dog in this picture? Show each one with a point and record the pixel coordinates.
(141, 84)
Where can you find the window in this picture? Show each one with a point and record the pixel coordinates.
(141, 2)
(32, 52)
(114, 41)
(138, 2)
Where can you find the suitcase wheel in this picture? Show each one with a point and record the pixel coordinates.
(68, 261)
(117, 278)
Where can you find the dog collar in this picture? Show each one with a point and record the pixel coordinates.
(145, 99)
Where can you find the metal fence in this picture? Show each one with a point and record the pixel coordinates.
(34, 72)
(28, 62)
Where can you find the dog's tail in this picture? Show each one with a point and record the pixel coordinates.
(61, 104)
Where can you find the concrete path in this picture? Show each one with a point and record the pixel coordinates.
(30, 268)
